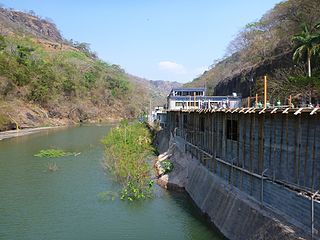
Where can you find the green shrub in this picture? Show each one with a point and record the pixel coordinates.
(41, 76)
(118, 86)
(127, 148)
(3, 43)
(167, 166)
(90, 79)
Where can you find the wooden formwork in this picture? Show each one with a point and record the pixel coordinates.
(282, 143)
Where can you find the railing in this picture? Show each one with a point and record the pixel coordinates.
(292, 201)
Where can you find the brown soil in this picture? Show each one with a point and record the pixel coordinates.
(21, 115)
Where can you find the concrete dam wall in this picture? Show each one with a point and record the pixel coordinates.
(225, 172)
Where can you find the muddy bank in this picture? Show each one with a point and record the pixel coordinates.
(20, 115)
(22, 132)
(233, 212)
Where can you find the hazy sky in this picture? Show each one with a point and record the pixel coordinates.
(157, 39)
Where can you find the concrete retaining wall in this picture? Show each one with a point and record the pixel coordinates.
(237, 212)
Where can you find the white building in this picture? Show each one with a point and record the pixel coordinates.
(159, 114)
(195, 98)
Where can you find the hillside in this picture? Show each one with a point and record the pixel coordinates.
(158, 89)
(47, 80)
(266, 47)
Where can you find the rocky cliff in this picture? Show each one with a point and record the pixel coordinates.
(266, 47)
(13, 22)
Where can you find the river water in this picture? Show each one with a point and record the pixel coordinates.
(66, 204)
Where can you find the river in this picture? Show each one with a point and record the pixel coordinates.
(66, 204)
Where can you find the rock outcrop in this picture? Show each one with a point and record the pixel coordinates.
(29, 23)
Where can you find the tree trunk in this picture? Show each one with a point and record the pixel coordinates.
(309, 63)
(309, 72)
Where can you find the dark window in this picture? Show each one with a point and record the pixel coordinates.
(201, 124)
(185, 121)
(232, 130)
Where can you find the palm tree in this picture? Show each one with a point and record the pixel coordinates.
(307, 43)
(316, 48)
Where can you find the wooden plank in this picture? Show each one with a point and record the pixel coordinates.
(252, 126)
(314, 165)
(314, 111)
(299, 147)
(238, 142)
(231, 150)
(274, 143)
(216, 135)
(281, 145)
(225, 146)
(287, 146)
(271, 116)
(261, 143)
(244, 137)
(306, 156)
(296, 132)
(211, 139)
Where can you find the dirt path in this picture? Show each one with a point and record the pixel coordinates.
(22, 132)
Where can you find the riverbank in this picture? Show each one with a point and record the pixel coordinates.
(233, 212)
(18, 114)
(23, 132)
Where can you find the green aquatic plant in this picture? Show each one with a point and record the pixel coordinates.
(134, 191)
(128, 148)
(167, 166)
(53, 153)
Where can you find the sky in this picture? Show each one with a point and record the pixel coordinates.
(173, 40)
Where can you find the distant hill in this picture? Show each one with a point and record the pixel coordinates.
(48, 80)
(266, 47)
(158, 89)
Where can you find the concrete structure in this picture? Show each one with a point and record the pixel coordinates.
(159, 114)
(272, 156)
(195, 98)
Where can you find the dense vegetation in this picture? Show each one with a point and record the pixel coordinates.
(34, 74)
(127, 150)
(267, 47)
(47, 80)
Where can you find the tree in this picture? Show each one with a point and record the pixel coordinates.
(3, 43)
(316, 48)
(306, 45)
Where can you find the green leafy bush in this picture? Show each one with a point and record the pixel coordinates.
(167, 166)
(127, 148)
(118, 86)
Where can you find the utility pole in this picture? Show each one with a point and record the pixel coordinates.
(290, 101)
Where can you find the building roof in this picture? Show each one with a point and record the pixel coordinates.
(246, 110)
(188, 89)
